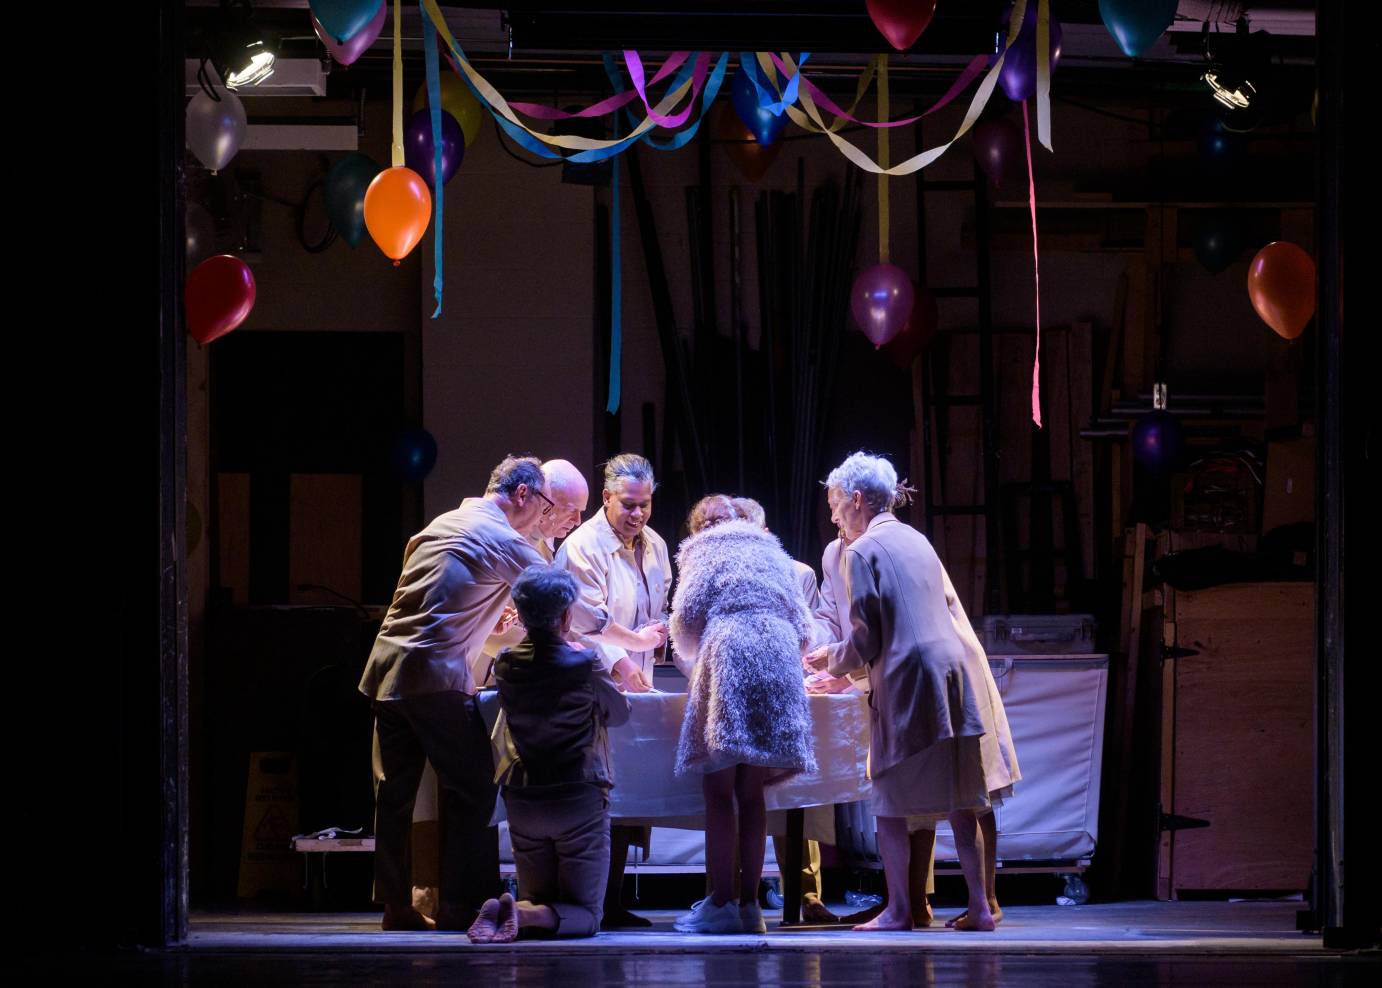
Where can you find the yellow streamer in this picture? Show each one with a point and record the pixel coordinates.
(1043, 73)
(397, 150)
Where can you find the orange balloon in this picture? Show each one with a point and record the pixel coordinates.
(1281, 284)
(752, 158)
(398, 208)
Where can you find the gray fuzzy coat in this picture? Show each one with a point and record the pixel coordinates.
(739, 616)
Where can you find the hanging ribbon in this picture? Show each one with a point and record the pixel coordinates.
(616, 286)
(429, 44)
(590, 149)
(397, 149)
(883, 159)
(635, 67)
(1036, 267)
(605, 106)
(682, 138)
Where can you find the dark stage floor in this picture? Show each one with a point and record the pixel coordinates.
(1141, 943)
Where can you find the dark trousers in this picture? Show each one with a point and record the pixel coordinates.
(446, 729)
(560, 840)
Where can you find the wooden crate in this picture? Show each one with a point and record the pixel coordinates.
(1238, 738)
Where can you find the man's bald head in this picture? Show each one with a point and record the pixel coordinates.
(567, 487)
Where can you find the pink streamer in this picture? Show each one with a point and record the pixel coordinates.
(605, 106)
(1036, 267)
(971, 72)
(635, 67)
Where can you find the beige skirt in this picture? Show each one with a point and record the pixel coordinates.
(952, 774)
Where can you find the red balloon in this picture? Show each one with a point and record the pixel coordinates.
(1000, 150)
(901, 21)
(920, 330)
(218, 296)
(1281, 285)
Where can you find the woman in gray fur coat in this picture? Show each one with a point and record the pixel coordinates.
(739, 628)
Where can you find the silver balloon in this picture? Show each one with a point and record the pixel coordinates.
(201, 235)
(215, 129)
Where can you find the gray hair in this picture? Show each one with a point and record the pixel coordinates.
(751, 510)
(872, 476)
(628, 466)
(541, 595)
(514, 470)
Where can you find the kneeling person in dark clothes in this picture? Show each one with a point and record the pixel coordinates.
(553, 767)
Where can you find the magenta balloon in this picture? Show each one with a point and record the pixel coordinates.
(999, 148)
(881, 301)
(347, 51)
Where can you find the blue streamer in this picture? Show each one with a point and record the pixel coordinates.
(429, 44)
(749, 62)
(616, 285)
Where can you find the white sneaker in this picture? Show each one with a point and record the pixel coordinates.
(751, 918)
(706, 917)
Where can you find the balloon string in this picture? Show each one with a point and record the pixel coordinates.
(884, 161)
(397, 149)
(1036, 268)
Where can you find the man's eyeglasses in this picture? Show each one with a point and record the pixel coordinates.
(550, 503)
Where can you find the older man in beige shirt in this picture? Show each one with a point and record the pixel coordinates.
(454, 586)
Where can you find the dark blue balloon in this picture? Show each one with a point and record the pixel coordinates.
(345, 188)
(418, 149)
(414, 455)
(764, 126)
(1219, 241)
(1221, 150)
(1018, 77)
(1157, 441)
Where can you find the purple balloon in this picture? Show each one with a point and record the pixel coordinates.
(347, 51)
(417, 146)
(881, 301)
(1018, 77)
(999, 147)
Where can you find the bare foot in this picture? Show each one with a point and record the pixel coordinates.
(506, 926)
(863, 915)
(971, 920)
(922, 916)
(886, 922)
(994, 908)
(405, 919)
(813, 910)
(486, 924)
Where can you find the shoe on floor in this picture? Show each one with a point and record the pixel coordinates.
(751, 918)
(813, 910)
(622, 919)
(706, 917)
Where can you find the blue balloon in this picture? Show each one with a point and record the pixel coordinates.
(1136, 24)
(418, 153)
(414, 455)
(763, 124)
(1156, 441)
(1220, 149)
(344, 188)
(343, 19)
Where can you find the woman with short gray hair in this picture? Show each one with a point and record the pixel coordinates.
(940, 748)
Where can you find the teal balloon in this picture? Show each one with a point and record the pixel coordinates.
(343, 19)
(1136, 24)
(345, 188)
